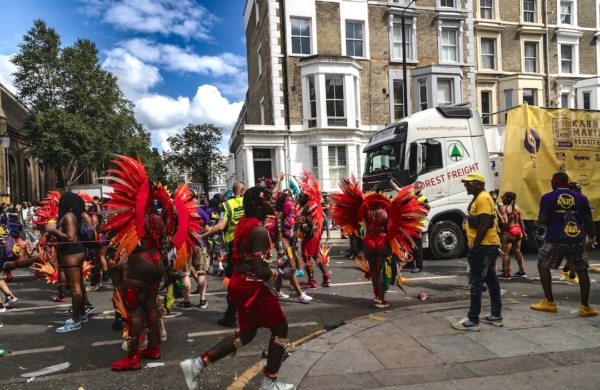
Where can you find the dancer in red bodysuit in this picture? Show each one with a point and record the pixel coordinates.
(390, 225)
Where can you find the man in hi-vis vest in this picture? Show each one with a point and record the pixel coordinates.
(233, 211)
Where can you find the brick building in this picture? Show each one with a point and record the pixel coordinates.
(324, 75)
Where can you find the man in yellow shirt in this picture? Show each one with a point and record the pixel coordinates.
(481, 226)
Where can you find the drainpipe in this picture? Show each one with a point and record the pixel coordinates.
(547, 56)
(286, 100)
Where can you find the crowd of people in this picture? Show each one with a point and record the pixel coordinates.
(143, 236)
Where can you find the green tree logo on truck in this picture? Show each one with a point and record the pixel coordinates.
(456, 152)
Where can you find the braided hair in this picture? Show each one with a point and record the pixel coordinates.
(71, 202)
(251, 197)
(510, 198)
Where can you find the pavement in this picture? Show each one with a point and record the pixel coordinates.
(415, 348)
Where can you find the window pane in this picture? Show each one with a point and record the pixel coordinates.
(358, 49)
(339, 87)
(566, 52)
(339, 108)
(529, 96)
(358, 27)
(586, 101)
(487, 54)
(315, 157)
(508, 100)
(341, 156)
(349, 30)
(295, 26)
(332, 156)
(486, 106)
(305, 26)
(330, 108)
(296, 46)
(444, 92)
(423, 94)
(305, 45)
(564, 100)
(398, 92)
(350, 48)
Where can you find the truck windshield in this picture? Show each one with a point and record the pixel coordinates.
(387, 157)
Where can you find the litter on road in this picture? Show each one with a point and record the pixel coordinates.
(47, 370)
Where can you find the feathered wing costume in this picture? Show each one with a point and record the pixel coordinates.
(48, 213)
(189, 224)
(388, 221)
(310, 186)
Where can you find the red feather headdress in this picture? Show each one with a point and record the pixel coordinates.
(49, 209)
(309, 185)
(86, 197)
(346, 204)
(131, 200)
(189, 224)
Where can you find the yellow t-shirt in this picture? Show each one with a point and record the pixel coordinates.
(484, 204)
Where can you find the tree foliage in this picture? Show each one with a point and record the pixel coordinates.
(197, 150)
(79, 117)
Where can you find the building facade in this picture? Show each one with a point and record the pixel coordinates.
(26, 179)
(324, 75)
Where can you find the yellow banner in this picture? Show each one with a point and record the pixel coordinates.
(540, 142)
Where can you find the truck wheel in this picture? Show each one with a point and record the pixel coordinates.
(536, 233)
(446, 241)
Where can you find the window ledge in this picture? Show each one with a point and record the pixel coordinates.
(399, 61)
(490, 71)
(489, 25)
(563, 32)
(299, 55)
(530, 28)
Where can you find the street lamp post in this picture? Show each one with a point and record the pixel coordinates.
(5, 139)
(405, 81)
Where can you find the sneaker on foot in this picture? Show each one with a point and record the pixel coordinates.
(10, 299)
(69, 326)
(148, 353)
(326, 280)
(94, 287)
(162, 290)
(587, 311)
(490, 319)
(127, 364)
(544, 305)
(381, 304)
(310, 285)
(59, 299)
(466, 324)
(88, 309)
(143, 344)
(277, 385)
(1, 324)
(303, 298)
(564, 273)
(282, 295)
(505, 276)
(2, 307)
(195, 292)
(203, 304)
(105, 277)
(574, 280)
(416, 270)
(520, 274)
(190, 373)
(83, 319)
(184, 305)
(299, 272)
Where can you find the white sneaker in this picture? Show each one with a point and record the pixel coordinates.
(11, 300)
(143, 344)
(190, 373)
(282, 295)
(277, 385)
(162, 330)
(303, 298)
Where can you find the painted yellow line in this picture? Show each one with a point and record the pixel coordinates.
(250, 373)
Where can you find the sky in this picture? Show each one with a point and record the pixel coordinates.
(179, 61)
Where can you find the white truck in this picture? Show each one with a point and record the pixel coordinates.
(438, 147)
(99, 190)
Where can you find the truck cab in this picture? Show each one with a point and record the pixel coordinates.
(437, 147)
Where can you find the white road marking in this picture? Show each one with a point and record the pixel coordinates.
(406, 279)
(38, 350)
(111, 342)
(38, 308)
(225, 331)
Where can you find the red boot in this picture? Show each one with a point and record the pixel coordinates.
(326, 280)
(310, 285)
(127, 364)
(148, 353)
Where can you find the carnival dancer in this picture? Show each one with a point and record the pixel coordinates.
(391, 225)
(17, 252)
(71, 255)
(310, 224)
(280, 231)
(513, 231)
(255, 304)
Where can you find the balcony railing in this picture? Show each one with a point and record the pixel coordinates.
(342, 122)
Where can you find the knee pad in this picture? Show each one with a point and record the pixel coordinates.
(206, 358)
(237, 342)
(283, 342)
(131, 301)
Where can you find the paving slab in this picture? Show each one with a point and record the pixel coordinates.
(345, 362)
(399, 351)
(500, 382)
(558, 378)
(508, 366)
(348, 381)
(382, 330)
(446, 385)
(421, 325)
(297, 366)
(562, 313)
(421, 375)
(580, 328)
(456, 348)
(553, 339)
(504, 342)
(350, 344)
(590, 370)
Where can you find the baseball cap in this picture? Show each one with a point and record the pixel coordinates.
(474, 177)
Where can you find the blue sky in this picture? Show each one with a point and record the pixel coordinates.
(179, 61)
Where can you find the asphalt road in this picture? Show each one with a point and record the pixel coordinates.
(29, 328)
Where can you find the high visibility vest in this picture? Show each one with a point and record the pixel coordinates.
(234, 209)
(423, 199)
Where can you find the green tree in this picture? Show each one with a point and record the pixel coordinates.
(79, 117)
(196, 151)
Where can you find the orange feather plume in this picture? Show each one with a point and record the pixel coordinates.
(86, 269)
(309, 185)
(189, 224)
(346, 204)
(325, 248)
(363, 265)
(86, 197)
(119, 305)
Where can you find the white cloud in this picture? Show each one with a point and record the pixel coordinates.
(7, 68)
(185, 18)
(134, 76)
(179, 59)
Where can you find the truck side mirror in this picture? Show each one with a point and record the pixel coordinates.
(416, 158)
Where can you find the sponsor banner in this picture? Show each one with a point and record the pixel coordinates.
(540, 142)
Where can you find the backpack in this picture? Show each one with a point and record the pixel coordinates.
(87, 235)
